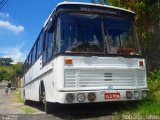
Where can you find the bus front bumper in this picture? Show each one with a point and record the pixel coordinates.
(102, 96)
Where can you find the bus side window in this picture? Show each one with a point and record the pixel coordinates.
(44, 56)
(57, 42)
(50, 36)
(34, 54)
(30, 59)
(48, 43)
(39, 45)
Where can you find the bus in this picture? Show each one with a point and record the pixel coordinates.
(85, 53)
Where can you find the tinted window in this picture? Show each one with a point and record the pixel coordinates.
(120, 36)
(45, 48)
(90, 33)
(79, 33)
(39, 45)
(27, 65)
(30, 59)
(34, 54)
(50, 44)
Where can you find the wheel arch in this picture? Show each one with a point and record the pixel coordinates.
(41, 90)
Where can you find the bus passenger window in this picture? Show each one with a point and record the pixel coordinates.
(44, 58)
(34, 53)
(50, 45)
(39, 45)
(30, 59)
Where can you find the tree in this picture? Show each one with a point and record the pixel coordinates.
(10, 72)
(5, 61)
(2, 74)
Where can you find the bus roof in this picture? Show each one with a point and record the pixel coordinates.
(84, 3)
(95, 4)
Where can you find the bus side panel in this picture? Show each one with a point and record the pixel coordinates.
(32, 81)
(54, 80)
(32, 91)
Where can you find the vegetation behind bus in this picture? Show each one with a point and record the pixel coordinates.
(10, 72)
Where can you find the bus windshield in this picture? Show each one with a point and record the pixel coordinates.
(90, 33)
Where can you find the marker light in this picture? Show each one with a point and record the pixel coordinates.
(141, 63)
(81, 97)
(129, 95)
(68, 61)
(136, 94)
(91, 96)
(70, 97)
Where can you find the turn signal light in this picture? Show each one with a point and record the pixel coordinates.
(68, 61)
(141, 63)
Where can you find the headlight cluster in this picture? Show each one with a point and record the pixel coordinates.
(129, 95)
(81, 97)
(70, 97)
(137, 94)
(145, 94)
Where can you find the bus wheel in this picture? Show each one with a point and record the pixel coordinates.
(47, 105)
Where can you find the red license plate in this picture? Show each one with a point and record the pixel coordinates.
(112, 95)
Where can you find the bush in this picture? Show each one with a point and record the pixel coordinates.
(154, 81)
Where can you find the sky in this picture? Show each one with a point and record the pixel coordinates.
(20, 23)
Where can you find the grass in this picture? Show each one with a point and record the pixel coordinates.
(29, 110)
(17, 93)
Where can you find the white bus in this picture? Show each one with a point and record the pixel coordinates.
(85, 53)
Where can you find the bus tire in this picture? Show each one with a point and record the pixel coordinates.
(41, 92)
(47, 105)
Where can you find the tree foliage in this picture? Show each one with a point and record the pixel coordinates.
(10, 72)
(5, 61)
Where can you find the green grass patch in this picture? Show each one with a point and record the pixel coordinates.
(152, 105)
(29, 110)
(17, 94)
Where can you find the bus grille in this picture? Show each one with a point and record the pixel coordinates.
(141, 78)
(103, 78)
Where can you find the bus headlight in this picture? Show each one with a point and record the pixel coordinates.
(136, 94)
(129, 95)
(70, 97)
(91, 96)
(145, 94)
(81, 97)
